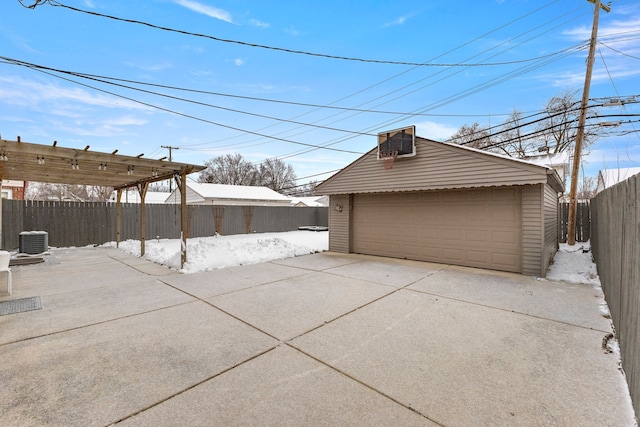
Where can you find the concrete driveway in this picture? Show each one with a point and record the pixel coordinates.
(324, 339)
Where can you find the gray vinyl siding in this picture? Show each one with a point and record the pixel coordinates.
(435, 166)
(532, 230)
(339, 230)
(550, 226)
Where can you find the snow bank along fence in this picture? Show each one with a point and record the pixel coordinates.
(82, 224)
(583, 221)
(615, 242)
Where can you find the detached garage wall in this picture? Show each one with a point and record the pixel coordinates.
(339, 223)
(457, 194)
(539, 228)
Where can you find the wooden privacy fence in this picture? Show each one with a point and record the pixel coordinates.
(82, 224)
(583, 221)
(616, 249)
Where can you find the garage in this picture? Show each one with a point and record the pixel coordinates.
(447, 204)
(476, 228)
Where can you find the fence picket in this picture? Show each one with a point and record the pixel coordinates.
(82, 224)
(583, 221)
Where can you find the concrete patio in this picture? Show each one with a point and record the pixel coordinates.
(323, 339)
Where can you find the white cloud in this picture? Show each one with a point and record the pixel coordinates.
(401, 20)
(259, 24)
(435, 131)
(151, 68)
(210, 11)
(292, 32)
(238, 61)
(575, 79)
(32, 94)
(89, 3)
(103, 128)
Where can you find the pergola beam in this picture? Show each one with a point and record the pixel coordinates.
(44, 163)
(25, 161)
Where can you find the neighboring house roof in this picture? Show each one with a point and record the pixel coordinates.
(152, 197)
(222, 194)
(610, 177)
(557, 161)
(438, 166)
(310, 202)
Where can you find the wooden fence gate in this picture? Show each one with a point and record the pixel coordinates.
(583, 221)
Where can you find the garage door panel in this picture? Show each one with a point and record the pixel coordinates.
(507, 237)
(478, 228)
(478, 256)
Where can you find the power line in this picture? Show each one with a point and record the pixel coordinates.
(193, 117)
(261, 46)
(616, 50)
(460, 95)
(221, 94)
(204, 104)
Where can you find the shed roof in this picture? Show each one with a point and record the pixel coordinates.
(206, 191)
(52, 163)
(438, 166)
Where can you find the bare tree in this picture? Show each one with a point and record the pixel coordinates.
(559, 128)
(587, 188)
(277, 175)
(99, 193)
(473, 136)
(57, 192)
(308, 189)
(511, 139)
(159, 186)
(230, 169)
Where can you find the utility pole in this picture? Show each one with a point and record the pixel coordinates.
(170, 148)
(571, 223)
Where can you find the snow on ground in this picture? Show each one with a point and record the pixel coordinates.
(206, 253)
(574, 264)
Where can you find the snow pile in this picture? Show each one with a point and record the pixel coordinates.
(574, 264)
(206, 253)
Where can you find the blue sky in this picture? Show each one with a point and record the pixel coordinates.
(42, 108)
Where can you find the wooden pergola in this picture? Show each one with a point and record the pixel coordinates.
(53, 164)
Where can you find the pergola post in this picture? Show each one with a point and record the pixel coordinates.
(1, 243)
(181, 183)
(142, 189)
(118, 216)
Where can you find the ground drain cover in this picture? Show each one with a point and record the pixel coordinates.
(20, 305)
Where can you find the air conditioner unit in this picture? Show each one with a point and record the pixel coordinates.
(33, 242)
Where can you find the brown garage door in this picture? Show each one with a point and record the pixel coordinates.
(476, 228)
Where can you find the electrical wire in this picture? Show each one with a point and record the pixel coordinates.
(193, 117)
(220, 94)
(261, 46)
(616, 50)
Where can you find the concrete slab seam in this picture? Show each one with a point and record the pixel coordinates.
(364, 384)
(224, 311)
(224, 371)
(275, 261)
(507, 310)
(430, 273)
(326, 322)
(121, 261)
(95, 323)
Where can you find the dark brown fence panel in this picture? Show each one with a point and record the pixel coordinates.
(616, 248)
(82, 224)
(583, 221)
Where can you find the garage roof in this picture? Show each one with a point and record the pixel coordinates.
(51, 163)
(437, 166)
